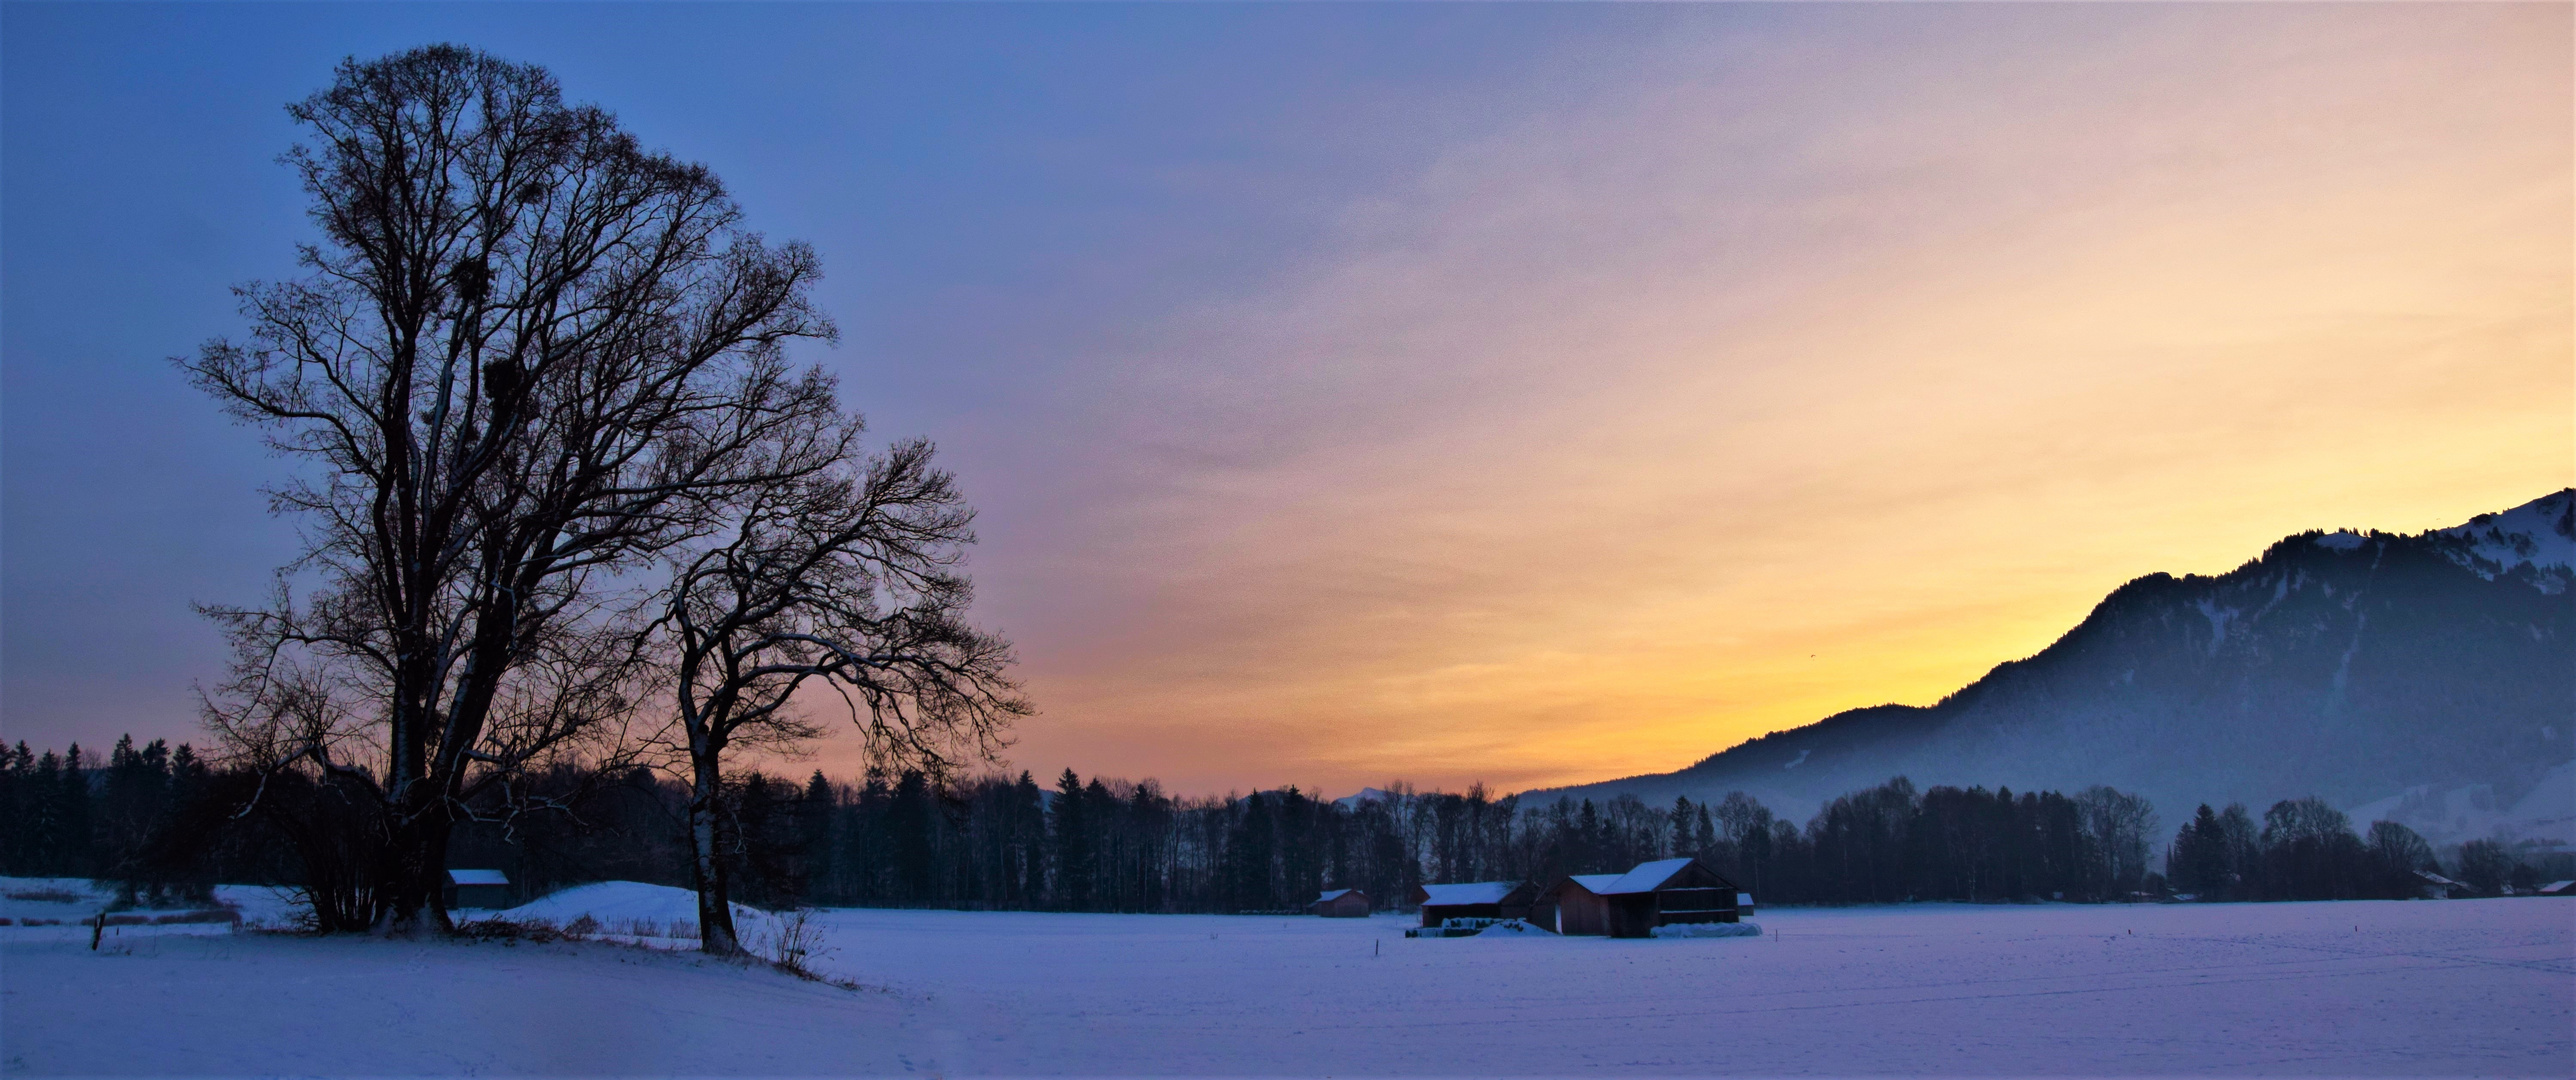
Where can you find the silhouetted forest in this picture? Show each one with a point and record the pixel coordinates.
(165, 825)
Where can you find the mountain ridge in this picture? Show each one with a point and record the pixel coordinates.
(2359, 666)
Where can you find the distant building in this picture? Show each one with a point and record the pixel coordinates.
(1474, 900)
(2557, 888)
(1574, 905)
(1660, 893)
(1342, 904)
(1667, 892)
(477, 889)
(2437, 887)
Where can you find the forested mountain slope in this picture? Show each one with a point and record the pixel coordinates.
(2429, 677)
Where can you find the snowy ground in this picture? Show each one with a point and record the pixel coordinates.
(43, 901)
(2450, 988)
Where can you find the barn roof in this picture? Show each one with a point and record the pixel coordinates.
(1331, 895)
(2556, 887)
(1594, 883)
(476, 877)
(1647, 877)
(1474, 892)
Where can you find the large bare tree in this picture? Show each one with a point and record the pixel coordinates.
(845, 581)
(524, 356)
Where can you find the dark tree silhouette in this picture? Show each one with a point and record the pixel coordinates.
(524, 349)
(2485, 866)
(843, 578)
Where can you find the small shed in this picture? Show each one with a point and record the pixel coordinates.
(1474, 900)
(1342, 904)
(2437, 887)
(477, 889)
(1667, 892)
(2557, 888)
(1574, 905)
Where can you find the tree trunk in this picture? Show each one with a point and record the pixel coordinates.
(715, 906)
(410, 898)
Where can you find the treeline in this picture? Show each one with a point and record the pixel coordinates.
(74, 815)
(164, 825)
(2307, 850)
(1104, 845)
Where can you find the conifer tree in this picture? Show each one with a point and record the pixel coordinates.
(911, 819)
(1073, 855)
(1031, 808)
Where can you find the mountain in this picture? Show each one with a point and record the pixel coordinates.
(2427, 678)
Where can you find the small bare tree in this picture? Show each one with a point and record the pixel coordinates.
(2119, 826)
(847, 578)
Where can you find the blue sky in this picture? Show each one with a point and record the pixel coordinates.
(985, 182)
(1354, 392)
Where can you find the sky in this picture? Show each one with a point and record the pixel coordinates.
(1516, 394)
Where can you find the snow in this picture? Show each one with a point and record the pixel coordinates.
(1647, 877)
(57, 899)
(1596, 883)
(477, 877)
(2219, 615)
(2342, 540)
(1330, 895)
(70, 900)
(634, 911)
(2540, 533)
(242, 1004)
(2545, 815)
(1709, 930)
(614, 901)
(1366, 794)
(1473, 892)
(2484, 987)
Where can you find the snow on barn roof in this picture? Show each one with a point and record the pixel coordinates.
(1473, 892)
(1594, 883)
(1331, 895)
(1646, 877)
(476, 877)
(2556, 887)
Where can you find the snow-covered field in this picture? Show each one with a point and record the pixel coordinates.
(2413, 989)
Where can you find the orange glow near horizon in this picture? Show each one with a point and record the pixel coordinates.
(1759, 389)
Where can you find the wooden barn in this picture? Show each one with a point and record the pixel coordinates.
(1574, 905)
(477, 889)
(2432, 886)
(1342, 904)
(1474, 900)
(1664, 893)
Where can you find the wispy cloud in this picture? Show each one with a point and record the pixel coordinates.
(1810, 365)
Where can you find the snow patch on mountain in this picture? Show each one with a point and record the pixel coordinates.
(2540, 534)
(2219, 616)
(2545, 816)
(2426, 676)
